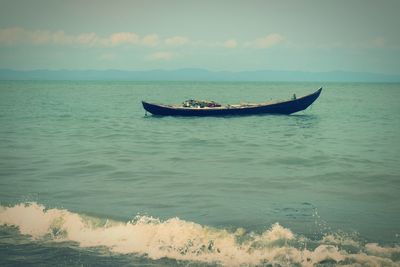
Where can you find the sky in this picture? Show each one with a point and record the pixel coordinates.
(297, 35)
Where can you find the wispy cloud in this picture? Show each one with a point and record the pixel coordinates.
(176, 41)
(230, 43)
(10, 36)
(17, 35)
(266, 41)
(124, 38)
(161, 56)
(150, 40)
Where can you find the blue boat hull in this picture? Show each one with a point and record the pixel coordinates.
(285, 107)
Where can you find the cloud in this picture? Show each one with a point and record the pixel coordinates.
(38, 37)
(89, 39)
(230, 43)
(374, 43)
(161, 56)
(150, 40)
(130, 38)
(59, 37)
(266, 42)
(176, 41)
(123, 38)
(10, 36)
(17, 35)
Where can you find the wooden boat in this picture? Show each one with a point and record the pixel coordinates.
(282, 107)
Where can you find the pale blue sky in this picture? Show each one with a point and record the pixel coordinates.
(354, 35)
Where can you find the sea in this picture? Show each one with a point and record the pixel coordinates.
(87, 178)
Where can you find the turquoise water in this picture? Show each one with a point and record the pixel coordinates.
(87, 179)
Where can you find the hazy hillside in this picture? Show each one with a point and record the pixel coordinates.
(196, 75)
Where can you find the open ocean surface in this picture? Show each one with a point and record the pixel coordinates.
(87, 179)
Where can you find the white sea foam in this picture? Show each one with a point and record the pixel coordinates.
(182, 240)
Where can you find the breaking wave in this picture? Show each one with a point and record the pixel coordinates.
(182, 240)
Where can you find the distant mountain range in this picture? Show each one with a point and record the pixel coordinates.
(197, 75)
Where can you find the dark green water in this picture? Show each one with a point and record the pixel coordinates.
(87, 160)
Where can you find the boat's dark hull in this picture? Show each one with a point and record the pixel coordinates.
(286, 107)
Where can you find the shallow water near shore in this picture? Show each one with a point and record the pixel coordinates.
(87, 179)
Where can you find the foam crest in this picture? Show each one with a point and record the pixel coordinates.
(183, 240)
